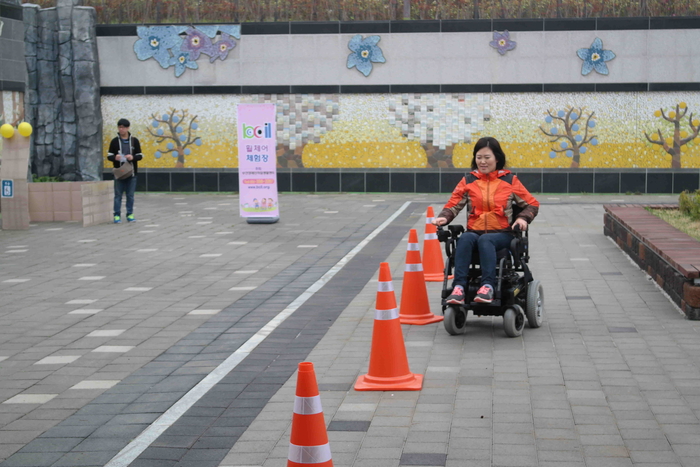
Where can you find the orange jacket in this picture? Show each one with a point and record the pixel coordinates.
(489, 201)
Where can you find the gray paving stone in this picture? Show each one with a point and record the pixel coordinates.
(425, 459)
(349, 425)
(608, 462)
(32, 459)
(84, 458)
(560, 456)
(572, 370)
(51, 445)
(153, 463)
(163, 454)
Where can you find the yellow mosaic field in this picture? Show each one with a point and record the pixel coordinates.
(401, 131)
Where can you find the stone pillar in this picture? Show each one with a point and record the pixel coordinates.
(63, 90)
(31, 95)
(15, 210)
(86, 76)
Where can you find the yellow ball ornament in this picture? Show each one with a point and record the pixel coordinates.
(696, 122)
(669, 141)
(684, 134)
(7, 131)
(672, 114)
(25, 129)
(657, 113)
(655, 137)
(682, 105)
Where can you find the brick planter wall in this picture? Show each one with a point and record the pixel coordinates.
(669, 256)
(88, 202)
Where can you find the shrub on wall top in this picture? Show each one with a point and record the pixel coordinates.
(689, 204)
(46, 179)
(217, 11)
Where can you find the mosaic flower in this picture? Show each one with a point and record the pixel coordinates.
(222, 47)
(210, 31)
(197, 42)
(501, 42)
(365, 51)
(231, 29)
(182, 61)
(594, 58)
(154, 41)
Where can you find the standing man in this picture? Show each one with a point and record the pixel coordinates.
(124, 148)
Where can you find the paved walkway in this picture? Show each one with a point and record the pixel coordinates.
(178, 319)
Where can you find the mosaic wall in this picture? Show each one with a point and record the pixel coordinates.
(549, 130)
(11, 110)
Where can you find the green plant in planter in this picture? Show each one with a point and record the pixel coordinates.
(45, 179)
(689, 204)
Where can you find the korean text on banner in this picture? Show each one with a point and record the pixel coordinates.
(257, 160)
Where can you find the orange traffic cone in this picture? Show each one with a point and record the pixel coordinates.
(415, 308)
(308, 444)
(434, 266)
(388, 363)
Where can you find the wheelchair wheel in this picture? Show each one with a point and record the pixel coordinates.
(535, 304)
(455, 320)
(513, 321)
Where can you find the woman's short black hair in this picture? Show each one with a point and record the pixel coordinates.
(495, 146)
(123, 122)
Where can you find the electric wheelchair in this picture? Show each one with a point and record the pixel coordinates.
(517, 296)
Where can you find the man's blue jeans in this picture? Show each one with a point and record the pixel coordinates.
(128, 187)
(488, 244)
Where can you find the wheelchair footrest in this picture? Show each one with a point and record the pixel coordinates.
(495, 303)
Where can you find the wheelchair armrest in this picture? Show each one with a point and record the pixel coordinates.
(524, 247)
(515, 250)
(519, 247)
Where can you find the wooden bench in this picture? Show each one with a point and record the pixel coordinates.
(669, 256)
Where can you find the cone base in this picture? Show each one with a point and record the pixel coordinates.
(322, 464)
(410, 382)
(436, 277)
(420, 320)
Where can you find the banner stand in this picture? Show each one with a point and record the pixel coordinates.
(257, 163)
(262, 220)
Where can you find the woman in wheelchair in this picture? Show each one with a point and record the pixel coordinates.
(488, 194)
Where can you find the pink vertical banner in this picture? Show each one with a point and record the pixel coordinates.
(257, 160)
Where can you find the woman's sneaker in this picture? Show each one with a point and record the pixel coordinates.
(457, 296)
(484, 294)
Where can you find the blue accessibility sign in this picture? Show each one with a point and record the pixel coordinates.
(8, 188)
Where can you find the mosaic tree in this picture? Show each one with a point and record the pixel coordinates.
(301, 119)
(439, 121)
(672, 144)
(169, 127)
(571, 130)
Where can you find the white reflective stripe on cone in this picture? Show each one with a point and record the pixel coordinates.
(385, 287)
(413, 247)
(307, 405)
(385, 315)
(429, 220)
(432, 236)
(414, 267)
(309, 454)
